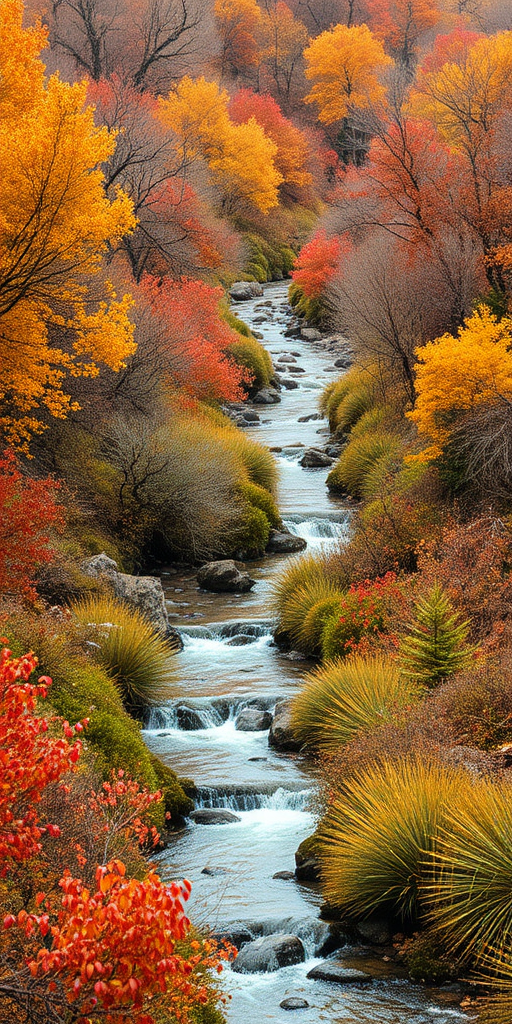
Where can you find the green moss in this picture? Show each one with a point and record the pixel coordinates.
(176, 801)
(427, 959)
(235, 323)
(313, 310)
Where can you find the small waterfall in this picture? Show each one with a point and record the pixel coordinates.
(222, 631)
(316, 936)
(319, 531)
(189, 715)
(246, 799)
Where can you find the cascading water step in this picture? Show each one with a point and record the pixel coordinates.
(252, 798)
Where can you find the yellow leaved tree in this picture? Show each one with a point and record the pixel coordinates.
(345, 65)
(455, 375)
(58, 314)
(240, 157)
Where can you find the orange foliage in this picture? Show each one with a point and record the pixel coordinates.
(291, 158)
(344, 65)
(317, 262)
(402, 22)
(237, 21)
(194, 339)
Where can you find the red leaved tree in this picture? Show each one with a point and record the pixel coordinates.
(317, 262)
(28, 510)
(193, 338)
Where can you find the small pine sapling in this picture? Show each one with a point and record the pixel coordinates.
(435, 645)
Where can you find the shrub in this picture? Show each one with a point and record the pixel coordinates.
(257, 461)
(345, 697)
(315, 621)
(366, 612)
(346, 400)
(134, 654)
(294, 614)
(477, 704)
(249, 353)
(250, 538)
(470, 891)
(434, 647)
(305, 571)
(358, 458)
(379, 835)
(427, 959)
(258, 497)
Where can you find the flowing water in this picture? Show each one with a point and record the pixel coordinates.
(228, 662)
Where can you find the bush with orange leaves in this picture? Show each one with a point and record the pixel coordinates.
(118, 950)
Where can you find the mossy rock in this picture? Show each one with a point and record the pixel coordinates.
(427, 960)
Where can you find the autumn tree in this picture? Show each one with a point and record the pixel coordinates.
(282, 40)
(28, 512)
(240, 157)
(317, 262)
(176, 232)
(291, 159)
(237, 22)
(402, 23)
(320, 15)
(345, 65)
(58, 315)
(455, 375)
(148, 43)
(193, 339)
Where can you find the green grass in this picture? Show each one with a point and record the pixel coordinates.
(343, 698)
(135, 655)
(379, 835)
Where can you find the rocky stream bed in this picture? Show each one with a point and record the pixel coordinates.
(255, 799)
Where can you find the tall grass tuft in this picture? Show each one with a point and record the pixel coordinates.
(345, 697)
(470, 894)
(378, 838)
(359, 458)
(344, 401)
(257, 461)
(304, 571)
(135, 655)
(294, 618)
(315, 619)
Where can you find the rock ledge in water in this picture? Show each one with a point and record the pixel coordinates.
(334, 970)
(213, 816)
(224, 575)
(313, 458)
(242, 290)
(269, 953)
(281, 542)
(253, 720)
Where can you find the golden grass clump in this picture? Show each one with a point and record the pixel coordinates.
(470, 892)
(304, 571)
(135, 655)
(344, 401)
(359, 458)
(294, 618)
(378, 838)
(342, 698)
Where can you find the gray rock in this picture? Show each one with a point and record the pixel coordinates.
(142, 592)
(267, 396)
(213, 816)
(281, 735)
(240, 641)
(313, 458)
(292, 332)
(290, 385)
(294, 1003)
(224, 576)
(286, 876)
(240, 291)
(375, 930)
(287, 359)
(307, 861)
(188, 718)
(258, 335)
(269, 953)
(334, 970)
(343, 362)
(214, 872)
(250, 416)
(310, 334)
(237, 935)
(308, 419)
(281, 542)
(295, 369)
(253, 720)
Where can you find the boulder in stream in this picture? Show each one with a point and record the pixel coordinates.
(307, 861)
(294, 1003)
(240, 291)
(313, 458)
(310, 334)
(253, 720)
(224, 575)
(213, 816)
(335, 970)
(267, 396)
(281, 735)
(269, 953)
(282, 542)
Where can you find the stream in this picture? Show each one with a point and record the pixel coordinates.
(228, 661)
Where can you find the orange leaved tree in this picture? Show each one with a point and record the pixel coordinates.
(57, 314)
(345, 66)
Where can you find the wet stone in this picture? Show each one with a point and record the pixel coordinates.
(213, 816)
(334, 970)
(294, 1003)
